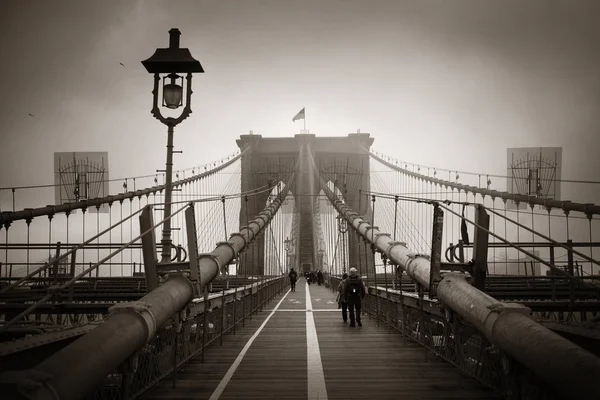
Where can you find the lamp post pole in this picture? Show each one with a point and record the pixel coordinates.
(343, 228)
(166, 241)
(287, 252)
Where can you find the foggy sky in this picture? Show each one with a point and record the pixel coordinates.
(444, 83)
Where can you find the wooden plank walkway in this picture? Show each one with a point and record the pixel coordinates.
(369, 362)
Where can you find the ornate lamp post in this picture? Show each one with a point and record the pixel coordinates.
(342, 226)
(170, 62)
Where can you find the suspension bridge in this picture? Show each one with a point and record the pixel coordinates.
(473, 291)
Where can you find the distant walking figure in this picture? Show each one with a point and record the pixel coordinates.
(293, 278)
(341, 297)
(355, 291)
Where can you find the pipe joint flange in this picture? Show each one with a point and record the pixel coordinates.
(413, 256)
(352, 216)
(382, 234)
(237, 234)
(246, 228)
(210, 257)
(367, 229)
(394, 244)
(500, 308)
(142, 309)
(360, 223)
(255, 223)
(450, 275)
(264, 216)
(230, 246)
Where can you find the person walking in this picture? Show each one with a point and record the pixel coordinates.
(341, 297)
(319, 277)
(293, 278)
(355, 291)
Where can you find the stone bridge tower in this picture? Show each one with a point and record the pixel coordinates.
(341, 160)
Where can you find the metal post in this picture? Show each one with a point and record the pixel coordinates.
(572, 272)
(192, 240)
(422, 333)
(387, 296)
(570, 257)
(55, 263)
(222, 316)
(344, 252)
(375, 280)
(72, 274)
(177, 324)
(235, 291)
(148, 248)
(224, 217)
(205, 322)
(436, 249)
(480, 247)
(166, 241)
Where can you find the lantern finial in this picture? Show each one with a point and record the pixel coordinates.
(174, 35)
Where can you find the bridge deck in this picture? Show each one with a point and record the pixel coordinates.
(370, 362)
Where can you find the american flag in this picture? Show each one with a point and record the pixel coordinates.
(300, 115)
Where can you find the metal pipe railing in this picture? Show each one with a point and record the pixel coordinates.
(571, 369)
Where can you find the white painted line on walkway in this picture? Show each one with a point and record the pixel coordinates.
(316, 377)
(303, 310)
(223, 384)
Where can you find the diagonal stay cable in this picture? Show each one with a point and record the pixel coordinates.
(67, 284)
(80, 246)
(552, 267)
(545, 237)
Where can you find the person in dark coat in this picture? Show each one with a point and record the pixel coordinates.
(319, 277)
(293, 278)
(355, 291)
(341, 297)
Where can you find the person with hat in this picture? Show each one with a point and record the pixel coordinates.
(355, 291)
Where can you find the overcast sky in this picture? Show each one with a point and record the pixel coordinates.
(446, 83)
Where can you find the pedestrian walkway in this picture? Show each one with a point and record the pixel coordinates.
(299, 348)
